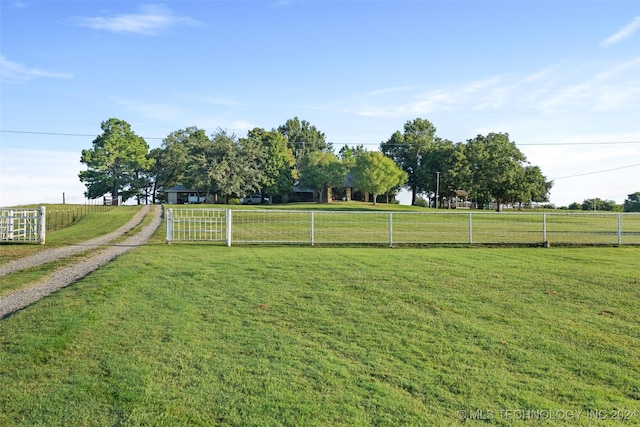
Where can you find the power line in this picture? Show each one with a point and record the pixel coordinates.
(597, 172)
(582, 143)
(365, 143)
(61, 134)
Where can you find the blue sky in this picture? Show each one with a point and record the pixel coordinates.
(561, 77)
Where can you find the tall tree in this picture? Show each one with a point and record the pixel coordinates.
(375, 173)
(225, 165)
(178, 146)
(279, 174)
(497, 168)
(348, 154)
(445, 168)
(155, 175)
(199, 167)
(536, 186)
(303, 138)
(321, 171)
(115, 161)
(632, 202)
(410, 150)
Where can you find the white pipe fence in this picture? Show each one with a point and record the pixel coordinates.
(400, 228)
(23, 225)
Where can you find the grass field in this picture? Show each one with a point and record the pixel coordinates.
(205, 335)
(93, 224)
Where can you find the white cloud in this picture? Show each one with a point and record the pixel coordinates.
(157, 111)
(18, 73)
(151, 20)
(624, 33)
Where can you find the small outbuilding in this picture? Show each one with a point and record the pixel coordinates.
(458, 200)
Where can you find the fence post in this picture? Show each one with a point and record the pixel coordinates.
(312, 229)
(619, 229)
(10, 226)
(169, 225)
(470, 229)
(42, 225)
(229, 222)
(544, 230)
(390, 229)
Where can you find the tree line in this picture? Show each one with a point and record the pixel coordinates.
(490, 168)
(630, 204)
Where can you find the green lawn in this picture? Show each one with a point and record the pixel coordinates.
(205, 334)
(93, 223)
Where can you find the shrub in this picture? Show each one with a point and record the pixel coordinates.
(422, 202)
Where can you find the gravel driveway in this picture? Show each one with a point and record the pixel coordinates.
(65, 276)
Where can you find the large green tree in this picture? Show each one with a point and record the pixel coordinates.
(178, 146)
(536, 187)
(321, 171)
(278, 166)
(499, 171)
(632, 202)
(225, 165)
(375, 173)
(115, 161)
(410, 151)
(303, 138)
(445, 168)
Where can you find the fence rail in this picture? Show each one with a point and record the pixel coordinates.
(23, 225)
(400, 228)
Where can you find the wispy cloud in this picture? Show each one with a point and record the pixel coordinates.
(557, 88)
(151, 20)
(19, 5)
(623, 33)
(158, 111)
(18, 73)
(282, 3)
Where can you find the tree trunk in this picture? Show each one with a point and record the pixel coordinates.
(413, 196)
(375, 197)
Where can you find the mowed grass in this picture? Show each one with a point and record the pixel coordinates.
(90, 226)
(93, 224)
(210, 335)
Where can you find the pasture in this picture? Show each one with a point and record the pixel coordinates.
(250, 335)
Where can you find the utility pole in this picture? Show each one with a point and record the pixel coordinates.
(437, 189)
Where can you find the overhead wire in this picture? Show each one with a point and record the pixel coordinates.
(366, 143)
(596, 172)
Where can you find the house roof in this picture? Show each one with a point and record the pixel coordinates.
(460, 193)
(178, 189)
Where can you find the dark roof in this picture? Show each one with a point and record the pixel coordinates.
(179, 189)
(460, 193)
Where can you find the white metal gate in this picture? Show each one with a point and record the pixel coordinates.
(196, 224)
(22, 225)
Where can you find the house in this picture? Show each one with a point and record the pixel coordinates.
(179, 194)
